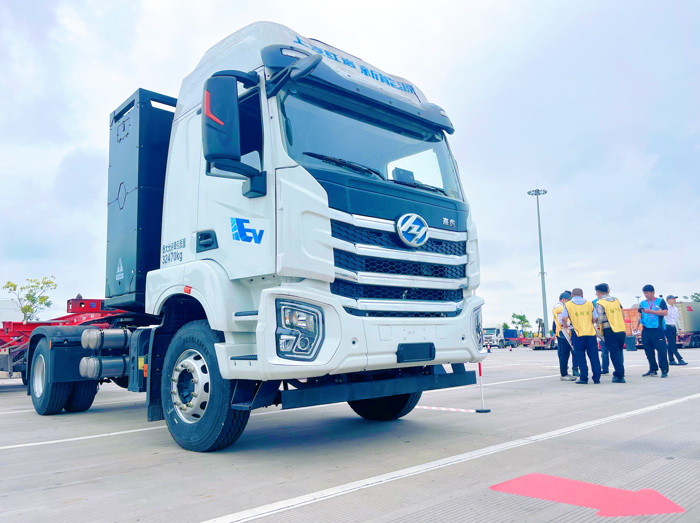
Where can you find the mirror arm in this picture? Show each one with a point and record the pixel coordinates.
(256, 184)
(248, 80)
(274, 84)
(295, 71)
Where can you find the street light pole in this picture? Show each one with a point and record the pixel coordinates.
(537, 193)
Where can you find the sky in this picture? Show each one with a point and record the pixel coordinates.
(597, 102)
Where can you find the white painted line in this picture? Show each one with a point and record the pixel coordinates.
(94, 405)
(491, 384)
(22, 445)
(322, 495)
(39, 443)
(448, 409)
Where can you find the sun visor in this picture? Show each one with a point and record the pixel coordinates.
(359, 79)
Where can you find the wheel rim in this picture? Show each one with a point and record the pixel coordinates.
(38, 374)
(190, 386)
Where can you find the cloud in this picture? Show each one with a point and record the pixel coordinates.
(595, 102)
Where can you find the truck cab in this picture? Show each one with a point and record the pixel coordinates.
(493, 336)
(297, 232)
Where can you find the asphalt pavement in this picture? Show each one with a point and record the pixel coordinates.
(327, 464)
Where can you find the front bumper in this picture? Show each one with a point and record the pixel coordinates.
(351, 343)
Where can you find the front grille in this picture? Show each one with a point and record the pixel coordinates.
(382, 292)
(390, 240)
(401, 314)
(356, 263)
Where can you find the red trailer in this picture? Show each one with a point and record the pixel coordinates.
(536, 343)
(14, 336)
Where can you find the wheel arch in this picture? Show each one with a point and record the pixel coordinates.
(205, 281)
(177, 310)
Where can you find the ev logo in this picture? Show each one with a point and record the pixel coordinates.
(241, 234)
(412, 229)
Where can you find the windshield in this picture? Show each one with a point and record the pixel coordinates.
(490, 331)
(325, 129)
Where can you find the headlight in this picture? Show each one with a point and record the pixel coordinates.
(478, 331)
(299, 330)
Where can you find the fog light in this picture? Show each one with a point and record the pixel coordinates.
(299, 330)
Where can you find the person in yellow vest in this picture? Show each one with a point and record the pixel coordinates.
(581, 314)
(612, 324)
(563, 346)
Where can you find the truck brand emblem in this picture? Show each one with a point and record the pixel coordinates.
(241, 233)
(412, 229)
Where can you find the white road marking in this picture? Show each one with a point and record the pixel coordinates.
(322, 495)
(94, 405)
(449, 409)
(39, 443)
(22, 445)
(491, 384)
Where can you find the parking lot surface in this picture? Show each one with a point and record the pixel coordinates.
(327, 464)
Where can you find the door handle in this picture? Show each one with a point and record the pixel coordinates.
(206, 241)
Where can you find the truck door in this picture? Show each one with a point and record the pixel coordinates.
(236, 231)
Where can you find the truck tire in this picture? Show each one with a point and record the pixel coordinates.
(48, 398)
(386, 409)
(82, 396)
(204, 421)
(501, 345)
(24, 377)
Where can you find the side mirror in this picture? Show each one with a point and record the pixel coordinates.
(221, 133)
(220, 124)
(299, 69)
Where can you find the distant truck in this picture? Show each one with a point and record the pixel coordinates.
(496, 336)
(493, 335)
(689, 324)
(510, 336)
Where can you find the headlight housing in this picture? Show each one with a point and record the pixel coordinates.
(300, 330)
(478, 331)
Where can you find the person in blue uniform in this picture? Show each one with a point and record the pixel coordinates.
(653, 311)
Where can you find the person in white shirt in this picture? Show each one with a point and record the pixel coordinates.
(672, 331)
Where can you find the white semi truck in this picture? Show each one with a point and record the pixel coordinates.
(295, 233)
(493, 335)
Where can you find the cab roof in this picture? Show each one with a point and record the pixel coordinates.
(242, 51)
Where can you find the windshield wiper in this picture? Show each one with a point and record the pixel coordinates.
(419, 185)
(357, 167)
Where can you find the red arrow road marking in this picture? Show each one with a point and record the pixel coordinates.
(610, 502)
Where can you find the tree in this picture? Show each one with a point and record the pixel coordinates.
(505, 326)
(32, 297)
(540, 326)
(521, 322)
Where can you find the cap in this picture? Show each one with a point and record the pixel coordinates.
(671, 297)
(565, 296)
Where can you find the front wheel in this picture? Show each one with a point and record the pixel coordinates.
(386, 409)
(195, 398)
(48, 398)
(501, 345)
